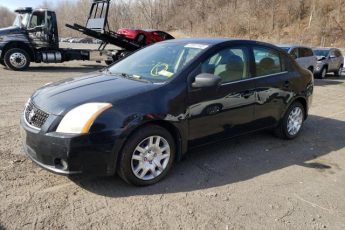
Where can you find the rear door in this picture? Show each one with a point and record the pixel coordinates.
(273, 86)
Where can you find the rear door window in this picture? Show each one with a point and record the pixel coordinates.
(267, 61)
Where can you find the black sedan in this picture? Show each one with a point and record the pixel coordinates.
(141, 114)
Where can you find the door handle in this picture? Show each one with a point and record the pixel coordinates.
(287, 84)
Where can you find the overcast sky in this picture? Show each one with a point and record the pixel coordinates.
(13, 4)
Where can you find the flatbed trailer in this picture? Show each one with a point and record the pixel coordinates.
(34, 38)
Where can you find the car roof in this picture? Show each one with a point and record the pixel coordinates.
(292, 46)
(215, 41)
(323, 48)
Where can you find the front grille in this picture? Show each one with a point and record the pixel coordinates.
(34, 116)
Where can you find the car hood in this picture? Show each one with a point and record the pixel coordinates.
(60, 97)
(9, 30)
(321, 58)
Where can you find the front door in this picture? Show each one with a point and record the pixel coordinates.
(226, 109)
(37, 29)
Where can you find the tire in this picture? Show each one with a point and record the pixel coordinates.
(287, 129)
(311, 69)
(339, 71)
(323, 73)
(17, 59)
(138, 161)
(109, 62)
(141, 39)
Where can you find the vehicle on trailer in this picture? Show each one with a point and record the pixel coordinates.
(34, 38)
(330, 60)
(303, 55)
(145, 37)
(156, 103)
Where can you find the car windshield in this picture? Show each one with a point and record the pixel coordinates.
(21, 20)
(157, 63)
(321, 52)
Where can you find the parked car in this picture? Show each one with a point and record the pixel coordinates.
(65, 39)
(141, 114)
(86, 40)
(330, 60)
(303, 55)
(144, 37)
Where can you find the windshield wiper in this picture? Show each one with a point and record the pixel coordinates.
(133, 77)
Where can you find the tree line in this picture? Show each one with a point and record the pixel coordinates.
(311, 22)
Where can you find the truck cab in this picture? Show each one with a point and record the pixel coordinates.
(33, 32)
(33, 37)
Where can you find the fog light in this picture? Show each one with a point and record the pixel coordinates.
(60, 164)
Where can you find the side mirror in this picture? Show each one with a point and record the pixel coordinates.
(204, 80)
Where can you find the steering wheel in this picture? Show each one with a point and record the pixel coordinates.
(158, 68)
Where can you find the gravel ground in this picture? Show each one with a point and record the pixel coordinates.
(251, 182)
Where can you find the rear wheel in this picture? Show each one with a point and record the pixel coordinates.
(147, 156)
(292, 122)
(339, 71)
(17, 59)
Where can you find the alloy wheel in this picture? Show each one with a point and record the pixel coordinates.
(324, 73)
(295, 121)
(18, 60)
(150, 158)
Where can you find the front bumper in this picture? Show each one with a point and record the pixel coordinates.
(70, 154)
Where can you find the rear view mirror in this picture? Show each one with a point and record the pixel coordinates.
(204, 80)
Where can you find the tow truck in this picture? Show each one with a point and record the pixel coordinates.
(34, 38)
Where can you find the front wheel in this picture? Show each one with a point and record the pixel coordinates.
(147, 156)
(17, 59)
(339, 71)
(323, 73)
(292, 122)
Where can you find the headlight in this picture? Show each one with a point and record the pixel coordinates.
(80, 119)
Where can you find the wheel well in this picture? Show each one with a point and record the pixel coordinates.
(166, 125)
(19, 45)
(173, 131)
(304, 103)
